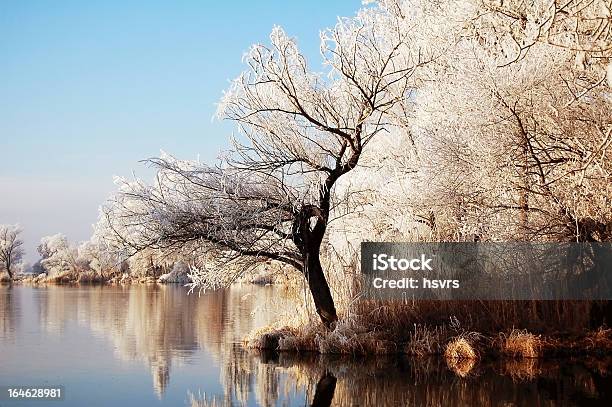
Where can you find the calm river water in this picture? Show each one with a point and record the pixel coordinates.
(155, 345)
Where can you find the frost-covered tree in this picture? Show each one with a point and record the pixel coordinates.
(11, 250)
(450, 120)
(57, 255)
(300, 132)
(507, 147)
(501, 146)
(94, 256)
(513, 27)
(520, 148)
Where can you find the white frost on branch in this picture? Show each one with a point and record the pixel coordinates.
(300, 131)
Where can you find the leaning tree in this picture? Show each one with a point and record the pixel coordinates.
(272, 196)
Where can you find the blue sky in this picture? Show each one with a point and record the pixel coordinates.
(88, 88)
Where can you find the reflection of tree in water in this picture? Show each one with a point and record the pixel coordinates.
(152, 324)
(224, 318)
(9, 313)
(56, 306)
(159, 330)
(428, 382)
(163, 327)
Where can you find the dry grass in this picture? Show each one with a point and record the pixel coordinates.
(521, 344)
(424, 328)
(64, 277)
(90, 277)
(600, 339)
(278, 337)
(460, 348)
(427, 327)
(425, 341)
(350, 337)
(347, 338)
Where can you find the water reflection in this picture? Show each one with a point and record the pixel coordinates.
(341, 381)
(9, 315)
(161, 325)
(165, 330)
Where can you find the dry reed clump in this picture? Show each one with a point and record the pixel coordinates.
(364, 329)
(425, 341)
(347, 338)
(90, 277)
(63, 277)
(601, 339)
(521, 344)
(300, 339)
(461, 355)
(350, 337)
(461, 347)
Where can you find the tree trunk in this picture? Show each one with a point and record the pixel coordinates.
(8, 270)
(308, 231)
(321, 294)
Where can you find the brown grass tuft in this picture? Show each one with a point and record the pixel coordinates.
(425, 341)
(460, 348)
(600, 339)
(521, 344)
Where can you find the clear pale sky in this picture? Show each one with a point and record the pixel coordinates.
(88, 88)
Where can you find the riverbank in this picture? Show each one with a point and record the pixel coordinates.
(459, 330)
(264, 274)
(91, 278)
